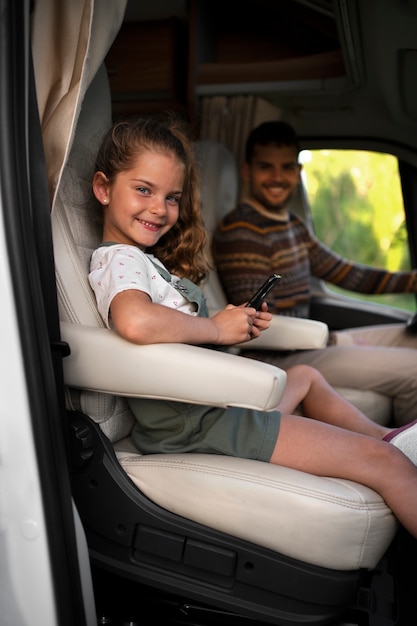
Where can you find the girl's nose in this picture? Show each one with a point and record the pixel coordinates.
(158, 207)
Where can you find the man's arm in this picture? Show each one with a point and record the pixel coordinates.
(333, 268)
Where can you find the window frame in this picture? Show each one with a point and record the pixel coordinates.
(342, 311)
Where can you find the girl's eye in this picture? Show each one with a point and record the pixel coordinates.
(142, 190)
(173, 199)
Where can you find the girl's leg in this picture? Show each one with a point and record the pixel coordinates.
(325, 450)
(307, 387)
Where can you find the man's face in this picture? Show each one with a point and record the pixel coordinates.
(272, 176)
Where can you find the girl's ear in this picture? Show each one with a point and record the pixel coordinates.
(101, 187)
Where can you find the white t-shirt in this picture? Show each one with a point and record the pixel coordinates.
(119, 267)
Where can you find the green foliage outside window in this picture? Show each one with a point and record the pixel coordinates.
(357, 210)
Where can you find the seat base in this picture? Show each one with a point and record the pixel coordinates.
(126, 601)
(135, 539)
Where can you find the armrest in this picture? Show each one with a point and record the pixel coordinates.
(291, 333)
(100, 360)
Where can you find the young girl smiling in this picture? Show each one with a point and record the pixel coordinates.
(146, 276)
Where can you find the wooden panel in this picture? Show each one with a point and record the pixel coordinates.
(142, 61)
(326, 65)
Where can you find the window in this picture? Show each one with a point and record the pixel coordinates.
(357, 210)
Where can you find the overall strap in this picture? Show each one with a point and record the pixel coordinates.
(189, 290)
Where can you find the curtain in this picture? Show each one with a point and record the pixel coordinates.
(230, 119)
(65, 65)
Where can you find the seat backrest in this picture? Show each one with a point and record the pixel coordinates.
(76, 227)
(76, 232)
(219, 195)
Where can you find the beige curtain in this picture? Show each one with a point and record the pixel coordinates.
(230, 119)
(70, 39)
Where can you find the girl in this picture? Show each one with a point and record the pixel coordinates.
(145, 276)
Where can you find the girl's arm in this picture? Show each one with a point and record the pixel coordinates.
(136, 318)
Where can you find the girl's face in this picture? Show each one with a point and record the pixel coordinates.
(142, 203)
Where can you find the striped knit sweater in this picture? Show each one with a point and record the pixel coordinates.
(248, 246)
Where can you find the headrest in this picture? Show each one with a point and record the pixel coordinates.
(219, 181)
(76, 232)
(95, 118)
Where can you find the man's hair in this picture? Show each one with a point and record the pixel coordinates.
(274, 132)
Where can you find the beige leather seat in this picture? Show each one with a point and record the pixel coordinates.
(243, 535)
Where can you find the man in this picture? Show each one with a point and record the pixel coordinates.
(260, 236)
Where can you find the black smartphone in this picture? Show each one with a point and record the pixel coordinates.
(259, 296)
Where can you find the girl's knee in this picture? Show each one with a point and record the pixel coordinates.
(306, 372)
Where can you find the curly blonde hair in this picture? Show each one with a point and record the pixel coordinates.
(182, 248)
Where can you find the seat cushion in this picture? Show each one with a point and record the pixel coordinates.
(328, 522)
(376, 406)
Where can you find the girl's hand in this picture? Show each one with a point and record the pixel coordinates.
(234, 324)
(238, 324)
(262, 319)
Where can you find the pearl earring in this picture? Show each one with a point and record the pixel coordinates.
(105, 201)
